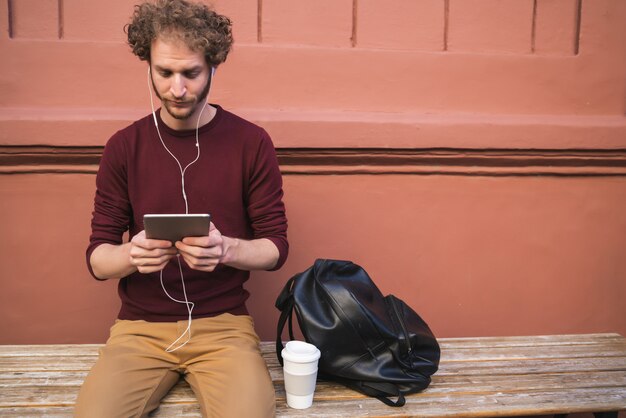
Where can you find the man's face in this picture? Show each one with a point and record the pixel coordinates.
(180, 78)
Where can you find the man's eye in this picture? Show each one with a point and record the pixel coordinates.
(192, 74)
(165, 73)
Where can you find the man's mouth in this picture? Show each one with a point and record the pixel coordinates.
(179, 104)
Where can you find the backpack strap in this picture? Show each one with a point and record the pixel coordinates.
(380, 390)
(387, 389)
(284, 303)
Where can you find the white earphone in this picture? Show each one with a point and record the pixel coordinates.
(186, 302)
(156, 124)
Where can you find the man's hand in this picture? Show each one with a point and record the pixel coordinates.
(150, 255)
(203, 253)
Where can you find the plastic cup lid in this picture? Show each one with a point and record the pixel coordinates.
(300, 352)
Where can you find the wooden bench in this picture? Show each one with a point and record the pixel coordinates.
(477, 377)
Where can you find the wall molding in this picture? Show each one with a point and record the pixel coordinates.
(353, 161)
(332, 129)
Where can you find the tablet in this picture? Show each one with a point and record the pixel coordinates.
(175, 227)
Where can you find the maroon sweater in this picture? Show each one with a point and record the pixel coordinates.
(236, 180)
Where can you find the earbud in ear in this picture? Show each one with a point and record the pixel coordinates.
(212, 71)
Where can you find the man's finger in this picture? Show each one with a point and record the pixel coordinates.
(197, 241)
(200, 252)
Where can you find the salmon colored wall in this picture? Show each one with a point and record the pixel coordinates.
(470, 154)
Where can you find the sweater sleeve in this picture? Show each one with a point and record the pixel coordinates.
(265, 199)
(112, 209)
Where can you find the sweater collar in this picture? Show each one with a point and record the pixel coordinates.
(191, 132)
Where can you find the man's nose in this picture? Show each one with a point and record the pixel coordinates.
(178, 88)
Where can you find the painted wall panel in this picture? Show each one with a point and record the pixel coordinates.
(557, 27)
(475, 255)
(46, 295)
(301, 22)
(490, 26)
(244, 15)
(56, 75)
(401, 24)
(96, 20)
(34, 19)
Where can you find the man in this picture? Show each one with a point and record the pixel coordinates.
(186, 157)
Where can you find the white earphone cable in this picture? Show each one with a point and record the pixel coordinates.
(186, 302)
(156, 124)
(190, 306)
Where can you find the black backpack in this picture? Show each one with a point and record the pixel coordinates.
(374, 344)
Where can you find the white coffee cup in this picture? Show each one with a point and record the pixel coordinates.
(300, 371)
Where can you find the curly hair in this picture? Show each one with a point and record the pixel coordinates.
(199, 27)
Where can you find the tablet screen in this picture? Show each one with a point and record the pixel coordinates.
(175, 227)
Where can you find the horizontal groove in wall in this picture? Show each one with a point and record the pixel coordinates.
(374, 161)
(292, 129)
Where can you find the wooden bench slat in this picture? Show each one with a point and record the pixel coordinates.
(61, 389)
(582, 379)
(49, 350)
(36, 412)
(55, 358)
(449, 351)
(533, 340)
(440, 383)
(500, 404)
(445, 343)
(427, 403)
(508, 367)
(528, 366)
(505, 353)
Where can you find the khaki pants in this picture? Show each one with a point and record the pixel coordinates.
(222, 363)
